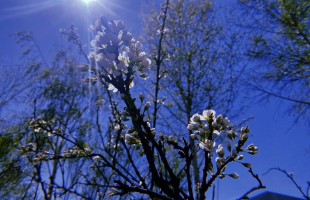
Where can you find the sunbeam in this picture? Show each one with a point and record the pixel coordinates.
(18, 11)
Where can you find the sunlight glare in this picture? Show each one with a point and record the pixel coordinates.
(88, 1)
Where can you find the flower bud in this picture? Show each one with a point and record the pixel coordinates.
(226, 122)
(147, 105)
(193, 137)
(153, 131)
(191, 127)
(234, 175)
(220, 151)
(215, 134)
(141, 97)
(245, 130)
(240, 157)
(206, 128)
(247, 165)
(146, 62)
(170, 138)
(117, 127)
(148, 124)
(215, 125)
(219, 162)
(252, 149)
(221, 176)
(244, 137)
(131, 140)
(231, 134)
(195, 118)
(219, 119)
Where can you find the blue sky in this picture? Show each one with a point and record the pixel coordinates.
(282, 142)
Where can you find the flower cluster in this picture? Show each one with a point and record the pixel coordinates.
(116, 53)
(25, 150)
(77, 152)
(208, 127)
(30, 151)
(132, 138)
(42, 126)
(42, 156)
(38, 125)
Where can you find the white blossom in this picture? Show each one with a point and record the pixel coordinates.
(117, 127)
(215, 134)
(224, 136)
(191, 127)
(207, 145)
(195, 118)
(208, 114)
(116, 53)
(206, 128)
(226, 122)
(220, 150)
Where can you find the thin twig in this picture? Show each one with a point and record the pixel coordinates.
(291, 177)
(259, 187)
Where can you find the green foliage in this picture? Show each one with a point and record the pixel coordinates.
(280, 44)
(11, 172)
(294, 15)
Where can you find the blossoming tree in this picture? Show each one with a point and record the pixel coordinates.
(197, 62)
(138, 159)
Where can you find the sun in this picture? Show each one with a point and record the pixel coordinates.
(88, 1)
